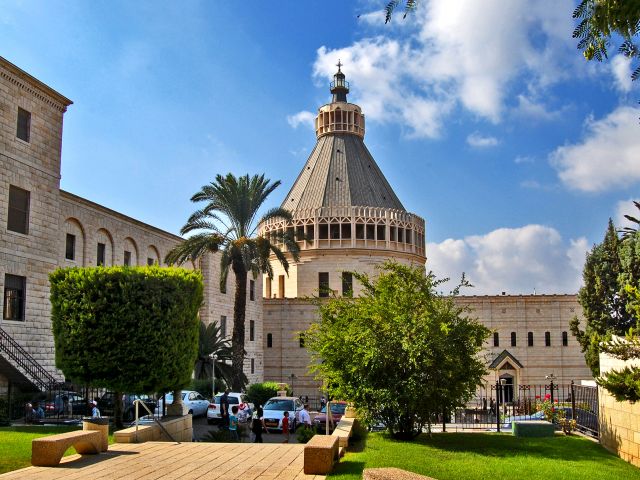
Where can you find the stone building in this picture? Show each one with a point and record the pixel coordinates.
(346, 214)
(43, 227)
(352, 221)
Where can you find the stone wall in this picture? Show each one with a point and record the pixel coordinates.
(619, 421)
(285, 319)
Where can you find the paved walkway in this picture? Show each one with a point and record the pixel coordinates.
(165, 460)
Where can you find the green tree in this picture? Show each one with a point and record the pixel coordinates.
(401, 352)
(126, 329)
(227, 223)
(212, 343)
(630, 231)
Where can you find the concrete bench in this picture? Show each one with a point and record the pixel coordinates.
(391, 474)
(48, 451)
(533, 428)
(344, 430)
(320, 454)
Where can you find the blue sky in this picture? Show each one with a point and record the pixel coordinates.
(483, 115)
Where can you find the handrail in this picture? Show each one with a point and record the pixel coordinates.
(39, 375)
(137, 402)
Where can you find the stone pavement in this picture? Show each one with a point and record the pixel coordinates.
(165, 460)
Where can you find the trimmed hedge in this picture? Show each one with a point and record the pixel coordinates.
(128, 329)
(259, 393)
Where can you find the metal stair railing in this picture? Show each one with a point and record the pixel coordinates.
(37, 374)
(144, 405)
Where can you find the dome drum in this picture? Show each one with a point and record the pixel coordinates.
(340, 118)
(354, 227)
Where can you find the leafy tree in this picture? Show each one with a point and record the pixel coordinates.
(603, 309)
(228, 223)
(625, 384)
(259, 393)
(630, 231)
(211, 342)
(127, 329)
(401, 352)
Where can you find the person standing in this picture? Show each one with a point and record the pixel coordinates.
(285, 427)
(257, 425)
(95, 413)
(233, 423)
(305, 418)
(224, 408)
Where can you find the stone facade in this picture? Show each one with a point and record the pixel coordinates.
(285, 319)
(53, 214)
(619, 422)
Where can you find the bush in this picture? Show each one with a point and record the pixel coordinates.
(259, 393)
(128, 329)
(304, 434)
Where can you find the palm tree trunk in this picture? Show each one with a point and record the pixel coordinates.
(237, 340)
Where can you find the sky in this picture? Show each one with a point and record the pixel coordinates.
(484, 117)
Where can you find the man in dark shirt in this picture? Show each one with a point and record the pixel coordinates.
(224, 408)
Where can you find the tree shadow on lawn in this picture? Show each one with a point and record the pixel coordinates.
(572, 448)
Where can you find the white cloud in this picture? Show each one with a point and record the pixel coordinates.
(478, 141)
(301, 118)
(512, 260)
(626, 207)
(524, 159)
(621, 70)
(608, 156)
(465, 54)
(528, 107)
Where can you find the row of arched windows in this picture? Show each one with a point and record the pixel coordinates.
(530, 339)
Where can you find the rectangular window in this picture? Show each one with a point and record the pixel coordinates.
(281, 286)
(301, 339)
(380, 233)
(70, 247)
(496, 339)
(565, 339)
(323, 284)
(513, 339)
(530, 339)
(23, 131)
(223, 325)
(14, 297)
(253, 365)
(547, 339)
(252, 330)
(101, 254)
(347, 284)
(127, 258)
(150, 261)
(252, 290)
(223, 285)
(18, 218)
(269, 340)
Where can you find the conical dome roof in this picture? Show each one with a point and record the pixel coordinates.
(341, 172)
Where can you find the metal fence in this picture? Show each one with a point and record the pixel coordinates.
(496, 406)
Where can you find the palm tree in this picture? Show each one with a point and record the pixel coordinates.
(227, 223)
(211, 343)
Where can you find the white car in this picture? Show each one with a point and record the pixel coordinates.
(195, 402)
(245, 408)
(274, 412)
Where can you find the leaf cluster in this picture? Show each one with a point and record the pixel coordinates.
(127, 329)
(259, 393)
(402, 353)
(392, 5)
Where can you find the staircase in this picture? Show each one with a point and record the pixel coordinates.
(25, 363)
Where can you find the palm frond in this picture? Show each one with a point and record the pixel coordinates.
(193, 248)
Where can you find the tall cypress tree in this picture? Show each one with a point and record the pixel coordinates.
(602, 299)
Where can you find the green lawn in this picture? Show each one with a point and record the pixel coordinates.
(15, 444)
(482, 456)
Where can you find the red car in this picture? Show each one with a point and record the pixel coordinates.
(337, 411)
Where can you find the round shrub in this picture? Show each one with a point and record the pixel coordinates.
(128, 329)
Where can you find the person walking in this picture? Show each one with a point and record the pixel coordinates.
(285, 427)
(257, 425)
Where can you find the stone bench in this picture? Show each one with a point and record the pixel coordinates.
(391, 474)
(48, 451)
(533, 428)
(344, 430)
(320, 454)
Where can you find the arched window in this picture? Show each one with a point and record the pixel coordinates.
(513, 339)
(269, 340)
(496, 339)
(565, 339)
(547, 339)
(530, 339)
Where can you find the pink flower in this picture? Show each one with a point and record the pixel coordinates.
(537, 397)
(547, 396)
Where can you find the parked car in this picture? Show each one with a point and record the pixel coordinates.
(274, 410)
(337, 411)
(195, 402)
(64, 403)
(214, 413)
(106, 404)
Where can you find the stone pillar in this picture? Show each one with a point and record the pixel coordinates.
(177, 408)
(100, 425)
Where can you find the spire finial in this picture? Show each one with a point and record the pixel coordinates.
(339, 64)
